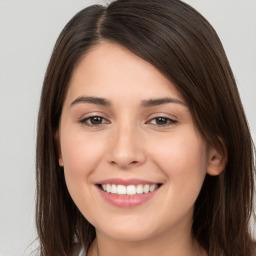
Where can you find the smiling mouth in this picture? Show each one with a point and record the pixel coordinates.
(129, 190)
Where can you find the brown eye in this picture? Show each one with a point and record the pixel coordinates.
(94, 121)
(162, 121)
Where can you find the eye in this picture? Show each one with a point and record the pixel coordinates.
(94, 121)
(162, 121)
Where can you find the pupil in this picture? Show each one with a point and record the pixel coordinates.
(161, 120)
(96, 120)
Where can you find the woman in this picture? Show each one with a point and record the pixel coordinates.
(143, 146)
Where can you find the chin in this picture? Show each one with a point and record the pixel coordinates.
(129, 233)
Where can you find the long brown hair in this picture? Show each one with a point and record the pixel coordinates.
(178, 41)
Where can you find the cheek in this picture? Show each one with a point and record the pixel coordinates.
(183, 159)
(182, 153)
(81, 156)
(80, 153)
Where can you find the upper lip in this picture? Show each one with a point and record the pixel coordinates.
(126, 182)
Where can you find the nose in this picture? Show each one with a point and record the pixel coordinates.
(127, 149)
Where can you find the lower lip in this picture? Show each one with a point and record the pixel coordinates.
(127, 201)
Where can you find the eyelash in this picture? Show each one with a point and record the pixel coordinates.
(88, 121)
(168, 121)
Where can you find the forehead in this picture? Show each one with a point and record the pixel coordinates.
(109, 69)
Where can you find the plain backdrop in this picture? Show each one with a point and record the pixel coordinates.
(28, 31)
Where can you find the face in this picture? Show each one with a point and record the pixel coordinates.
(134, 162)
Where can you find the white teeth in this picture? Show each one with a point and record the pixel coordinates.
(131, 190)
(113, 189)
(128, 190)
(108, 188)
(152, 188)
(121, 190)
(139, 189)
(146, 189)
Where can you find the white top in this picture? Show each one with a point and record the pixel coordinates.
(82, 252)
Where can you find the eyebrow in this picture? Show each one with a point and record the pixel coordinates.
(93, 100)
(161, 101)
(144, 103)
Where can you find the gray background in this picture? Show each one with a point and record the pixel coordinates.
(28, 30)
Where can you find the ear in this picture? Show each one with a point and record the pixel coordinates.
(217, 160)
(57, 140)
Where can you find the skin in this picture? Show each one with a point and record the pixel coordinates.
(129, 142)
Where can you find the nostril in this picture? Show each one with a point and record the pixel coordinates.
(112, 162)
(131, 163)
